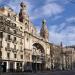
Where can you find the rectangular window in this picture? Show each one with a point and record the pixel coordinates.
(8, 45)
(0, 43)
(9, 37)
(15, 47)
(21, 56)
(14, 38)
(14, 55)
(1, 34)
(8, 55)
(14, 31)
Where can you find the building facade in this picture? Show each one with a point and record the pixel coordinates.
(21, 48)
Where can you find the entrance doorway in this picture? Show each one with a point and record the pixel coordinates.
(4, 66)
(38, 57)
(11, 66)
(19, 66)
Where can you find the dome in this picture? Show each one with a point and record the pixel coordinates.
(44, 30)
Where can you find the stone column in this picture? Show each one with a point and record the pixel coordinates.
(7, 67)
(15, 66)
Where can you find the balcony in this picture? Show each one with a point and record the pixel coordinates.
(37, 58)
(14, 50)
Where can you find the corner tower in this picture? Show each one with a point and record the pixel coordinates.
(22, 13)
(44, 31)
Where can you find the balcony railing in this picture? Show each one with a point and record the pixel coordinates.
(38, 58)
(14, 50)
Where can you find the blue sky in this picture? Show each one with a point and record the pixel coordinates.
(60, 16)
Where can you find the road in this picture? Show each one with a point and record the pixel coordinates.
(43, 73)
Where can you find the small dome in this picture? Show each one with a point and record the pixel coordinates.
(44, 21)
(44, 30)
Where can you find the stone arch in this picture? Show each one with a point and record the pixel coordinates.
(39, 46)
(38, 57)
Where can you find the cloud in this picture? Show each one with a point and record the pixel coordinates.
(64, 32)
(52, 9)
(15, 4)
(56, 17)
(48, 10)
(71, 19)
(58, 1)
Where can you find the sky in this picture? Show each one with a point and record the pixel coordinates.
(59, 15)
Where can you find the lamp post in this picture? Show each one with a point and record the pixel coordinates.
(62, 56)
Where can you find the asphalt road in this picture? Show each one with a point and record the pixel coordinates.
(43, 73)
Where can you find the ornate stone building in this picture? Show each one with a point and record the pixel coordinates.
(21, 48)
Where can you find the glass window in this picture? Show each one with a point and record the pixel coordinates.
(14, 38)
(14, 55)
(21, 27)
(0, 43)
(8, 55)
(9, 37)
(21, 56)
(15, 47)
(1, 34)
(8, 45)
